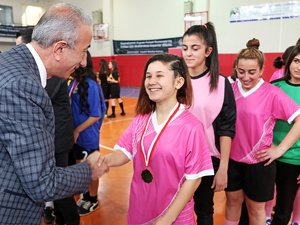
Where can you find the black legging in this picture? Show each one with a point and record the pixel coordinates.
(204, 198)
(286, 187)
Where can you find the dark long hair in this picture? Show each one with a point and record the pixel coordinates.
(178, 66)
(279, 62)
(207, 33)
(287, 73)
(115, 70)
(104, 70)
(81, 75)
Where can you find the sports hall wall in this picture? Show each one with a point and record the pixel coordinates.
(155, 19)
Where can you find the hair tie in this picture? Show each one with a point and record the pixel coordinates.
(204, 25)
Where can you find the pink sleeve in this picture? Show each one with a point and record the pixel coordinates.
(126, 140)
(277, 74)
(284, 107)
(198, 160)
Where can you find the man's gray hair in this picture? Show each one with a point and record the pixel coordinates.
(61, 22)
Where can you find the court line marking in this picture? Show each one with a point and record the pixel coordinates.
(115, 121)
(106, 147)
(109, 122)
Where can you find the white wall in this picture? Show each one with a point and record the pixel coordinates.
(274, 35)
(145, 19)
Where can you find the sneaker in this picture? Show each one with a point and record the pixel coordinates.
(111, 116)
(123, 113)
(49, 216)
(268, 222)
(87, 208)
(81, 201)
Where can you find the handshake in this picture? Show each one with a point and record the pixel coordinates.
(98, 165)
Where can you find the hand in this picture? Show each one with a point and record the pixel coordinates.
(76, 134)
(163, 220)
(98, 165)
(220, 180)
(270, 154)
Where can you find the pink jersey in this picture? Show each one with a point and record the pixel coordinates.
(277, 74)
(207, 106)
(257, 111)
(181, 153)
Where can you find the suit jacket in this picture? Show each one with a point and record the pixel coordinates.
(28, 175)
(57, 90)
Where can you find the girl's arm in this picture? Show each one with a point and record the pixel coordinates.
(220, 179)
(225, 129)
(111, 79)
(274, 152)
(117, 158)
(185, 194)
(90, 121)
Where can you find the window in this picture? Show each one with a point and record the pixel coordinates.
(6, 16)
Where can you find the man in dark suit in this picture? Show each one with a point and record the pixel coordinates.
(65, 209)
(28, 175)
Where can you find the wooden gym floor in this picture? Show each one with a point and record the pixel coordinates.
(114, 186)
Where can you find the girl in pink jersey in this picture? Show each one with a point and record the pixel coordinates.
(251, 173)
(167, 145)
(214, 106)
(279, 63)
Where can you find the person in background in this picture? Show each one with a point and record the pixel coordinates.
(200, 52)
(279, 63)
(24, 36)
(103, 74)
(84, 92)
(63, 211)
(114, 81)
(288, 165)
(29, 176)
(244, 220)
(167, 146)
(296, 207)
(253, 43)
(251, 173)
(233, 76)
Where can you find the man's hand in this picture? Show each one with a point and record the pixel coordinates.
(98, 165)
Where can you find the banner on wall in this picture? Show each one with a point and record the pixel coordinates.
(10, 31)
(143, 47)
(269, 11)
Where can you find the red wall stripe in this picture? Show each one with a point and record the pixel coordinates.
(131, 67)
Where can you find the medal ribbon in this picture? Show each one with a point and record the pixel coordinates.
(75, 83)
(156, 138)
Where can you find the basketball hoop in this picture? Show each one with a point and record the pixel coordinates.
(100, 31)
(195, 18)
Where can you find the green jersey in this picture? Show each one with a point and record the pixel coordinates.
(292, 156)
